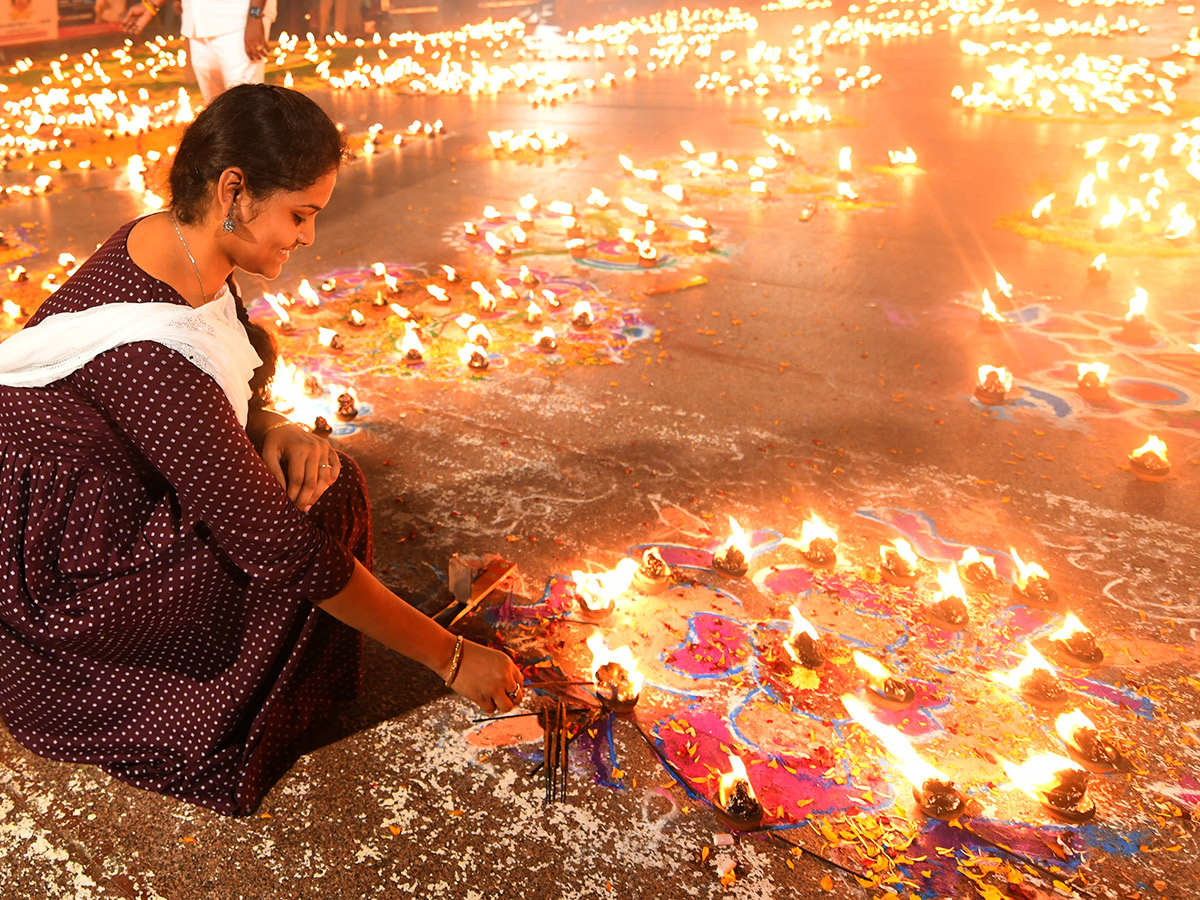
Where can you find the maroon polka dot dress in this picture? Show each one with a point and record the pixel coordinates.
(156, 584)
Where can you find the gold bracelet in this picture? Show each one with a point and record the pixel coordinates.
(455, 662)
(150, 6)
(279, 425)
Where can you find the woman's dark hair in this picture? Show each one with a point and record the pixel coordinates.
(279, 138)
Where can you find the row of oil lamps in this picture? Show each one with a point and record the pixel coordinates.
(1057, 782)
(1148, 462)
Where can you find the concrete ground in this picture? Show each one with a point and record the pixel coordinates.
(827, 365)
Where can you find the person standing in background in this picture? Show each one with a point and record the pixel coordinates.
(227, 39)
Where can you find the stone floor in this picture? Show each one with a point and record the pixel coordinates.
(827, 364)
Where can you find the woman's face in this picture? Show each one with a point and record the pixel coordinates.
(278, 225)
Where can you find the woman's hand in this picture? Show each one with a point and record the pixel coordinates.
(304, 465)
(488, 678)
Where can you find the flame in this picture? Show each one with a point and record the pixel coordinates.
(1181, 223)
(561, 208)
(875, 671)
(11, 309)
(438, 293)
(1116, 213)
(949, 584)
(599, 589)
(735, 541)
(519, 235)
(989, 308)
(844, 164)
(479, 334)
(470, 352)
(1099, 261)
(1026, 571)
(392, 282)
(357, 318)
(1005, 377)
(814, 529)
(1153, 445)
(307, 294)
(276, 302)
(622, 656)
(598, 198)
(1042, 207)
(1100, 370)
(325, 336)
(1033, 660)
(800, 625)
(845, 191)
(915, 769)
(971, 555)
(546, 332)
(1137, 305)
(451, 273)
(1071, 626)
(529, 203)
(411, 342)
(496, 243)
(491, 213)
(1003, 286)
(582, 308)
(641, 210)
(907, 156)
(1037, 774)
(901, 548)
(401, 311)
(1068, 723)
(378, 269)
(729, 780)
(1087, 196)
(674, 191)
(533, 312)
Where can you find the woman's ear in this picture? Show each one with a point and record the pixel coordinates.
(231, 187)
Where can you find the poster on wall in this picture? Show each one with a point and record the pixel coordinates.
(83, 18)
(28, 21)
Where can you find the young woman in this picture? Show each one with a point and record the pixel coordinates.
(177, 606)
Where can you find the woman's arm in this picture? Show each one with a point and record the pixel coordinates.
(486, 677)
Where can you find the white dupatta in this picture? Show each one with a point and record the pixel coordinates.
(210, 337)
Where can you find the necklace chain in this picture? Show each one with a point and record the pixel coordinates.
(191, 259)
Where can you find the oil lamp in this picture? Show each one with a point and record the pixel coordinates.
(1098, 272)
(577, 247)
(479, 335)
(357, 319)
(571, 226)
(697, 223)
(1076, 644)
(498, 245)
(330, 339)
(597, 592)
(989, 316)
(581, 314)
(1032, 585)
(993, 385)
(977, 571)
(936, 795)
(884, 689)
(699, 241)
(647, 255)
(1085, 745)
(1057, 783)
(801, 644)
(283, 321)
(471, 232)
(950, 607)
(1092, 382)
(321, 427)
(527, 277)
(653, 575)
(347, 409)
(1149, 461)
(615, 678)
(1034, 679)
(817, 544)
(1136, 329)
(473, 356)
(732, 558)
(545, 340)
(734, 804)
(898, 563)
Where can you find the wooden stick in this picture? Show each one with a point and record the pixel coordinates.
(538, 684)
(562, 752)
(812, 854)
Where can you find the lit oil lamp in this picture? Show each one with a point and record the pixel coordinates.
(950, 607)
(697, 223)
(347, 406)
(1040, 214)
(1057, 783)
(471, 232)
(545, 340)
(491, 214)
(802, 642)
(993, 385)
(357, 319)
(936, 795)
(321, 427)
(283, 321)
(647, 255)
(699, 241)
(479, 335)
(1032, 585)
(653, 575)
(817, 544)
(581, 314)
(577, 247)
(989, 316)
(571, 226)
(313, 389)
(328, 286)
(807, 212)
(1136, 329)
(451, 274)
(845, 167)
(1092, 382)
(1085, 745)
(732, 558)
(330, 339)
(473, 357)
(438, 293)
(977, 571)
(615, 678)
(597, 592)
(734, 804)
(898, 563)
(499, 247)
(1035, 680)
(533, 313)
(883, 688)
(527, 277)
(1098, 272)
(1149, 462)
(1078, 645)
